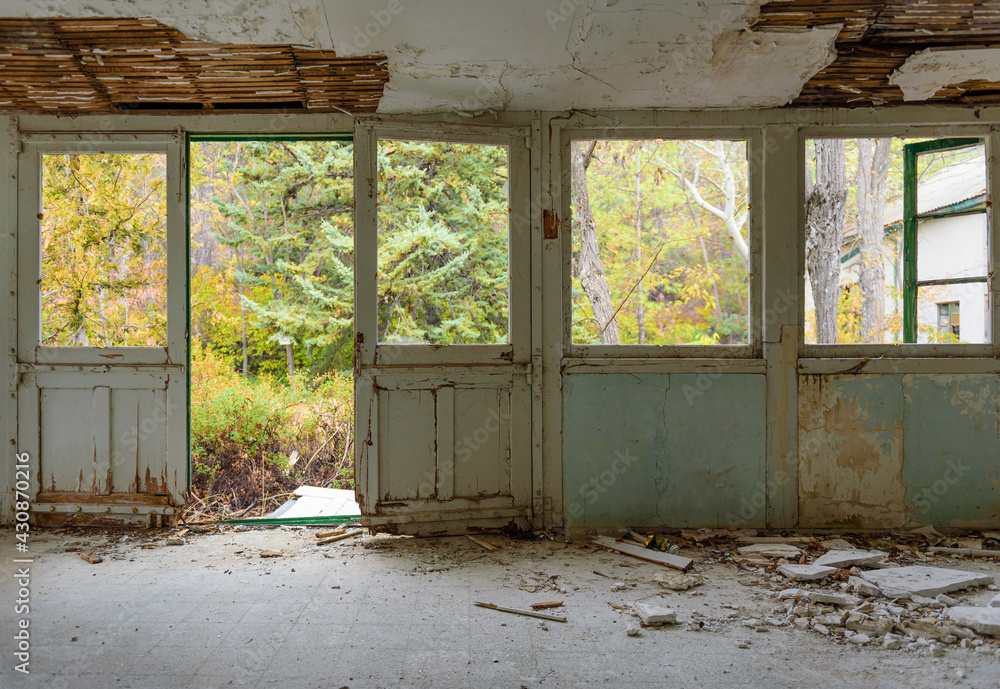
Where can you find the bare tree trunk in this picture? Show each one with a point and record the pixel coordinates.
(595, 284)
(640, 296)
(873, 174)
(826, 201)
(243, 309)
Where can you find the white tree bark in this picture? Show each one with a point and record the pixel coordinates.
(873, 174)
(733, 221)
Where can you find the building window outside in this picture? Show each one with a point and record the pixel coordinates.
(948, 317)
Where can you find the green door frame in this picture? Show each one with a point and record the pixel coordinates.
(910, 282)
(221, 137)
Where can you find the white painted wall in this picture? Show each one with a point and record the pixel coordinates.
(950, 248)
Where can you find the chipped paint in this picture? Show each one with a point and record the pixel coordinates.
(926, 72)
(885, 451)
(850, 451)
(520, 54)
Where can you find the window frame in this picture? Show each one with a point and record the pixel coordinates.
(171, 145)
(911, 218)
(904, 350)
(753, 136)
(368, 134)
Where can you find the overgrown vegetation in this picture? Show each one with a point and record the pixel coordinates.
(256, 439)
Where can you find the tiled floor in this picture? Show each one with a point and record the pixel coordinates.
(400, 613)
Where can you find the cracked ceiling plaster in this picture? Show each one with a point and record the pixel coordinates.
(452, 55)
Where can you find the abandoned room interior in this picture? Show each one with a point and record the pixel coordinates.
(651, 343)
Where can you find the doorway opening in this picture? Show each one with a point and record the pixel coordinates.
(271, 320)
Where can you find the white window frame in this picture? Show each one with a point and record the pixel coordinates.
(368, 133)
(867, 352)
(752, 349)
(171, 145)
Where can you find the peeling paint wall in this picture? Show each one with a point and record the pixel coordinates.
(851, 451)
(875, 451)
(926, 72)
(452, 55)
(884, 451)
(663, 449)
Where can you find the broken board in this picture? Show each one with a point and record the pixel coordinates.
(660, 558)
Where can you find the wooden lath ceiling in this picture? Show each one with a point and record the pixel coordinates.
(879, 36)
(99, 64)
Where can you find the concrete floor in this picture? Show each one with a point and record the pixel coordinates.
(398, 612)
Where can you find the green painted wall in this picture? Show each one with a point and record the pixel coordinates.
(899, 450)
(951, 448)
(663, 450)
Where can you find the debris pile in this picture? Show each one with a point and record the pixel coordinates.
(882, 593)
(862, 596)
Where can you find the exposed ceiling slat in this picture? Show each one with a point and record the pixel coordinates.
(877, 38)
(69, 65)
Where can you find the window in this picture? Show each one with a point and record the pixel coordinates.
(103, 250)
(443, 245)
(660, 242)
(894, 228)
(948, 318)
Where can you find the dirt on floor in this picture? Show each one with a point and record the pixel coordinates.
(737, 575)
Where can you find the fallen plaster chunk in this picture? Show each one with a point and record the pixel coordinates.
(873, 626)
(806, 572)
(927, 602)
(839, 599)
(920, 580)
(926, 72)
(675, 581)
(865, 588)
(995, 603)
(773, 550)
(929, 628)
(654, 615)
(793, 594)
(946, 600)
(892, 642)
(836, 544)
(848, 558)
(983, 620)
